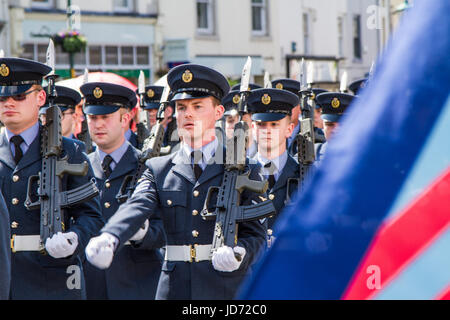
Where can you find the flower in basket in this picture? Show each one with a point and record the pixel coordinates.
(71, 41)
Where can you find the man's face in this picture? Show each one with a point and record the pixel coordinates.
(318, 122)
(271, 136)
(329, 128)
(152, 116)
(230, 122)
(107, 131)
(196, 119)
(67, 122)
(19, 115)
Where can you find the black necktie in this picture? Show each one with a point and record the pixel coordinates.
(106, 165)
(18, 154)
(196, 156)
(271, 178)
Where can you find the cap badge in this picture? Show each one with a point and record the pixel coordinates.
(236, 99)
(266, 99)
(150, 93)
(98, 93)
(187, 76)
(4, 70)
(312, 96)
(335, 103)
(279, 86)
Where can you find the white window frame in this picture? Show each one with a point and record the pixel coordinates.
(41, 5)
(124, 9)
(340, 32)
(209, 17)
(264, 10)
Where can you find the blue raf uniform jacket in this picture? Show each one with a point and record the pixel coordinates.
(5, 250)
(278, 193)
(34, 275)
(169, 188)
(135, 270)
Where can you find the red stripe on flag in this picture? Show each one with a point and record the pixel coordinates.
(401, 240)
(444, 295)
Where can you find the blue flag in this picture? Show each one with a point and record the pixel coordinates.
(323, 237)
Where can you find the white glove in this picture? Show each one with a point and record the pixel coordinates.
(100, 250)
(140, 234)
(61, 245)
(223, 259)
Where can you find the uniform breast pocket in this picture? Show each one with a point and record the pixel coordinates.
(174, 210)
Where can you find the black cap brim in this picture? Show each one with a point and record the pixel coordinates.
(266, 117)
(7, 91)
(99, 109)
(190, 95)
(331, 117)
(151, 106)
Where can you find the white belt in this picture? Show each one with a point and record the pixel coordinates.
(188, 253)
(26, 243)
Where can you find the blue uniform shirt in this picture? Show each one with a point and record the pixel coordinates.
(28, 136)
(116, 154)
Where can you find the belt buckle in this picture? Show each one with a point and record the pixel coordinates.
(12, 243)
(193, 253)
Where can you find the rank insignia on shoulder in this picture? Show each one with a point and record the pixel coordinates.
(187, 76)
(4, 70)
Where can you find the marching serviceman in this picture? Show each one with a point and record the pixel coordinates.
(272, 112)
(175, 186)
(334, 105)
(135, 270)
(57, 274)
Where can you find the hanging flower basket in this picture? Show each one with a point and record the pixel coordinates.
(70, 41)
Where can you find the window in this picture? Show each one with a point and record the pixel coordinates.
(111, 55)
(259, 17)
(42, 4)
(99, 57)
(306, 36)
(123, 5)
(142, 55)
(205, 17)
(357, 52)
(126, 55)
(95, 55)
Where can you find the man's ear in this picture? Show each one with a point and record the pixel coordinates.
(289, 129)
(41, 96)
(219, 111)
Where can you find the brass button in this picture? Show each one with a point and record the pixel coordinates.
(108, 185)
(196, 193)
(195, 233)
(169, 202)
(271, 196)
(107, 205)
(15, 201)
(194, 212)
(269, 232)
(14, 225)
(15, 178)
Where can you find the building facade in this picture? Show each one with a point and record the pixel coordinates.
(120, 34)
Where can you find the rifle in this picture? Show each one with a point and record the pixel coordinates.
(305, 138)
(84, 133)
(52, 200)
(143, 125)
(152, 148)
(228, 212)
